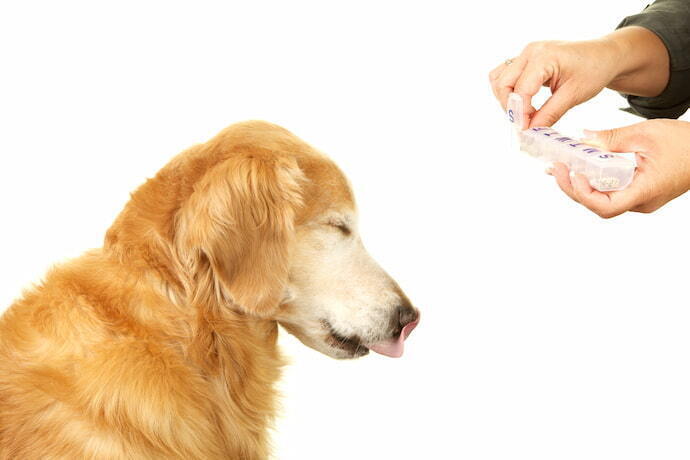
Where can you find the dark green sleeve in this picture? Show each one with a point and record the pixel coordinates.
(670, 21)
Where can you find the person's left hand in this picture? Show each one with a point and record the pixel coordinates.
(663, 168)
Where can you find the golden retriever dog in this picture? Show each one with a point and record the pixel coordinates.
(162, 344)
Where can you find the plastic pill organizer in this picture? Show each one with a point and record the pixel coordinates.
(606, 171)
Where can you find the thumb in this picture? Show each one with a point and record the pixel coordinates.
(625, 139)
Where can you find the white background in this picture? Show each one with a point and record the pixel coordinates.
(547, 333)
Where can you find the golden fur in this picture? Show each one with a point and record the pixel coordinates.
(162, 344)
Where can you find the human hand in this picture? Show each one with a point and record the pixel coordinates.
(632, 60)
(574, 71)
(663, 168)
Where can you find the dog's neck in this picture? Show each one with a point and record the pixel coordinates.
(205, 325)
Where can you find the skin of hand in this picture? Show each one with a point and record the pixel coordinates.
(663, 168)
(632, 60)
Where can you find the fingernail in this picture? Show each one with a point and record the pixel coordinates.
(588, 133)
(548, 168)
(571, 174)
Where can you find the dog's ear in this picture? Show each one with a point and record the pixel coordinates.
(236, 228)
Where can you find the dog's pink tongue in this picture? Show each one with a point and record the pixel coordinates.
(394, 348)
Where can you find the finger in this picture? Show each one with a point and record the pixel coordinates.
(530, 82)
(532, 79)
(605, 205)
(493, 76)
(496, 72)
(554, 108)
(562, 175)
(626, 139)
(505, 83)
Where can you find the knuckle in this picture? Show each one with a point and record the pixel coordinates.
(501, 79)
(494, 74)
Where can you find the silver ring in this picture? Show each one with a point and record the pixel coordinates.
(508, 61)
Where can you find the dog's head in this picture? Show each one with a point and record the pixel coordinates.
(264, 224)
(337, 299)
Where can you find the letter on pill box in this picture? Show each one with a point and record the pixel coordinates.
(606, 171)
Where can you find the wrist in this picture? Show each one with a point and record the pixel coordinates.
(639, 60)
(622, 53)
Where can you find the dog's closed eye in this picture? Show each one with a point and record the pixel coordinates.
(342, 226)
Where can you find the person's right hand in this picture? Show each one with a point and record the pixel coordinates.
(575, 72)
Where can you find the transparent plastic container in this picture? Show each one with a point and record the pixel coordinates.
(606, 171)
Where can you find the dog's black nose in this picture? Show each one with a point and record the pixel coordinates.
(406, 314)
(404, 319)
